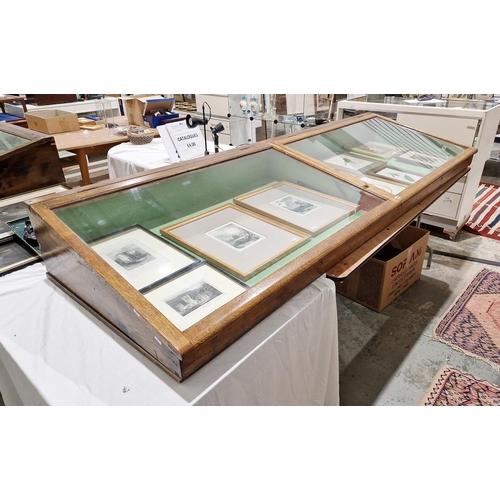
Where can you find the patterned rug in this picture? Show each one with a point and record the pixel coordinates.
(472, 324)
(452, 387)
(485, 216)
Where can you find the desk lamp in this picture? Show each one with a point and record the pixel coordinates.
(215, 134)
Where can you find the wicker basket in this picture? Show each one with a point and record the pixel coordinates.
(140, 136)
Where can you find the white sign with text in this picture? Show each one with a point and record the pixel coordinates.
(181, 142)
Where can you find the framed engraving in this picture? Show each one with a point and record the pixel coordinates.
(191, 296)
(296, 206)
(235, 239)
(396, 174)
(377, 150)
(349, 162)
(393, 188)
(422, 159)
(141, 257)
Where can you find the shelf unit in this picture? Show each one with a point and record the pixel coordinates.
(273, 115)
(257, 117)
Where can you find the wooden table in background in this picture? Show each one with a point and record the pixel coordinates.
(85, 142)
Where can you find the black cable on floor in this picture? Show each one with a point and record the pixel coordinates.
(465, 257)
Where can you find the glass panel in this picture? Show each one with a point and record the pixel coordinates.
(470, 104)
(8, 141)
(14, 254)
(431, 100)
(301, 191)
(379, 152)
(256, 117)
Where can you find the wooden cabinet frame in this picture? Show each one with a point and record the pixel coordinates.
(89, 279)
(32, 165)
(468, 121)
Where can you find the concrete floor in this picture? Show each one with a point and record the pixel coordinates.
(388, 358)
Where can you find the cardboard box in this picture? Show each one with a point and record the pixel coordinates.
(52, 121)
(141, 110)
(159, 111)
(134, 107)
(389, 272)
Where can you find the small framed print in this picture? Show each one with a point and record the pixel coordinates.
(396, 174)
(393, 188)
(141, 257)
(348, 162)
(299, 207)
(191, 296)
(237, 240)
(422, 159)
(376, 150)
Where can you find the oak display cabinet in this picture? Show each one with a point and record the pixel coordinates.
(28, 160)
(183, 261)
(29, 168)
(470, 122)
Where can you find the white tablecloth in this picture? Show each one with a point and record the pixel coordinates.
(54, 352)
(127, 158)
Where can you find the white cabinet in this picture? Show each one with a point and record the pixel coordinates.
(468, 122)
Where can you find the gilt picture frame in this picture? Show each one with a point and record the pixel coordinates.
(240, 241)
(299, 207)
